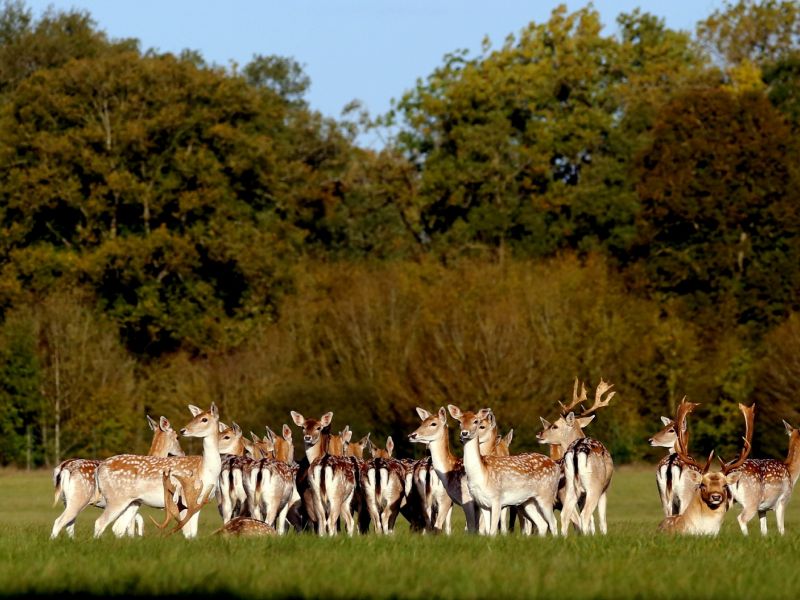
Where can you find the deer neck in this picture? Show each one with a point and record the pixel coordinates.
(474, 465)
(319, 449)
(793, 459)
(441, 457)
(575, 434)
(673, 449)
(486, 446)
(212, 462)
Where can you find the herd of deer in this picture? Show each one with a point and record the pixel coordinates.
(260, 489)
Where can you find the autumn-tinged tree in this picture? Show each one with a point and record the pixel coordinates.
(720, 207)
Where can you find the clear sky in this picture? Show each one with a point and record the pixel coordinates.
(370, 50)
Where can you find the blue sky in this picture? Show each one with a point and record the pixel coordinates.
(370, 50)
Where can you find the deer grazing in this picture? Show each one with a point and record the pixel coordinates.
(528, 481)
(129, 480)
(704, 513)
(74, 481)
(766, 484)
(674, 487)
(587, 464)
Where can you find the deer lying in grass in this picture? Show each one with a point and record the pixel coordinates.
(704, 513)
(245, 527)
(587, 464)
(674, 486)
(528, 481)
(74, 481)
(766, 484)
(129, 480)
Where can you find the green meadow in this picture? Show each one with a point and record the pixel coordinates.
(632, 561)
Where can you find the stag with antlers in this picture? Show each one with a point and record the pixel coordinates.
(587, 466)
(705, 512)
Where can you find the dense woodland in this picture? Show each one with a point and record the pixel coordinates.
(619, 201)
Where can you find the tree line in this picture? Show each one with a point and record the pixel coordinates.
(579, 200)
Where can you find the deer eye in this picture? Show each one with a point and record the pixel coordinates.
(433, 424)
(227, 437)
(483, 426)
(672, 430)
(205, 420)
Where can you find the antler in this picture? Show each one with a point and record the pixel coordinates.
(749, 417)
(684, 408)
(599, 402)
(170, 507)
(576, 399)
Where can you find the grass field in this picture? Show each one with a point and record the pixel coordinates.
(632, 561)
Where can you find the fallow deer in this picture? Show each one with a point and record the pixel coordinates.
(356, 449)
(436, 504)
(528, 481)
(766, 484)
(74, 481)
(283, 447)
(245, 527)
(232, 497)
(704, 513)
(587, 464)
(450, 469)
(384, 486)
(674, 487)
(330, 481)
(129, 480)
(336, 443)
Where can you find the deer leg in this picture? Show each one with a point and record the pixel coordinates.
(531, 511)
(666, 499)
(504, 512)
(762, 521)
(748, 512)
(125, 524)
(110, 514)
(471, 514)
(602, 503)
(72, 509)
(780, 511)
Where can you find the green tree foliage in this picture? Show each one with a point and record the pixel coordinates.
(530, 143)
(719, 222)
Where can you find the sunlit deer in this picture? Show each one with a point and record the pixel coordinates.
(329, 481)
(528, 481)
(587, 464)
(282, 445)
(436, 504)
(383, 481)
(766, 484)
(74, 481)
(356, 449)
(674, 486)
(433, 433)
(704, 513)
(130, 480)
(232, 496)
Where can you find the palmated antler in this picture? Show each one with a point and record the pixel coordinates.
(170, 507)
(682, 432)
(194, 499)
(749, 413)
(599, 402)
(576, 399)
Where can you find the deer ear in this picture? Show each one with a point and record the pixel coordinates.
(443, 415)
(154, 426)
(545, 422)
(326, 419)
(287, 433)
(364, 441)
(221, 426)
(270, 434)
(696, 477)
(164, 425)
(423, 414)
(455, 412)
(666, 421)
(733, 478)
(584, 421)
(297, 418)
(789, 428)
(195, 410)
(570, 419)
(214, 411)
(255, 438)
(509, 436)
(237, 430)
(389, 445)
(347, 435)
(486, 413)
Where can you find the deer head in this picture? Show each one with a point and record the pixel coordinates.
(230, 441)
(471, 422)
(357, 448)
(487, 428)
(165, 438)
(204, 424)
(381, 453)
(432, 428)
(314, 430)
(569, 426)
(283, 445)
(667, 436)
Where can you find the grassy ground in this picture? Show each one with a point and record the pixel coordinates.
(632, 561)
